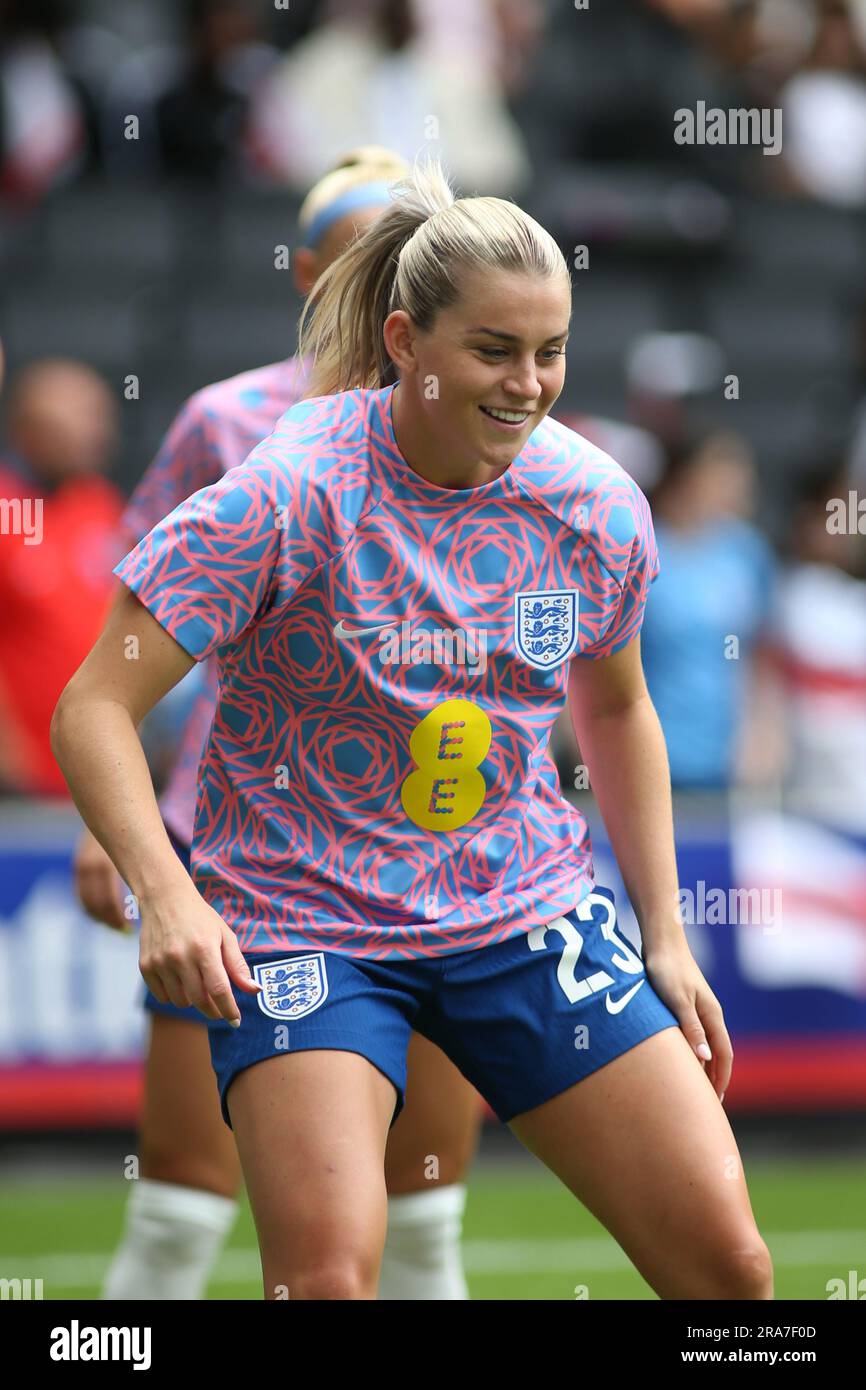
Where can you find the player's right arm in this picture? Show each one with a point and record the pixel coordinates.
(97, 882)
(187, 460)
(188, 954)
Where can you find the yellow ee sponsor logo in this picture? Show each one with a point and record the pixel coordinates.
(446, 789)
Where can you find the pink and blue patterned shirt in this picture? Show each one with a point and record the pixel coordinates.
(392, 658)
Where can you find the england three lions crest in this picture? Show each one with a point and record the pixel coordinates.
(293, 987)
(545, 626)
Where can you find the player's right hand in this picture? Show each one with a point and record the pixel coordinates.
(188, 956)
(98, 884)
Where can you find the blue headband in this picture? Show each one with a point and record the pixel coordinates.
(362, 195)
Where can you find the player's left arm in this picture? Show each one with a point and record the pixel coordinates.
(623, 746)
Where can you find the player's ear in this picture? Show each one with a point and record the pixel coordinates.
(398, 333)
(305, 269)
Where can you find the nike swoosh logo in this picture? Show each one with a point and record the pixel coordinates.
(614, 1006)
(342, 632)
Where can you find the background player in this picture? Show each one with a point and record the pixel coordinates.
(448, 491)
(184, 1203)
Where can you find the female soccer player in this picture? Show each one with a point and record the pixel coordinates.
(184, 1203)
(404, 585)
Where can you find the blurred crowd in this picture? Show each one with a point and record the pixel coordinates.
(754, 654)
(60, 537)
(272, 92)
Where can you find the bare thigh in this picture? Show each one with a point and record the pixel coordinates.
(184, 1138)
(646, 1146)
(436, 1135)
(311, 1129)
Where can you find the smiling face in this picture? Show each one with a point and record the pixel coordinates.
(475, 386)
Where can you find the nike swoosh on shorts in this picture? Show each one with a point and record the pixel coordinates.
(614, 1006)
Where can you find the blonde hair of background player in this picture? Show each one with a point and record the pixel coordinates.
(366, 164)
(361, 165)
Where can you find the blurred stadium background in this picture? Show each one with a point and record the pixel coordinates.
(152, 160)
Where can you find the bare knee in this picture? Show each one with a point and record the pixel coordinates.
(404, 1175)
(204, 1173)
(744, 1271)
(419, 1162)
(342, 1279)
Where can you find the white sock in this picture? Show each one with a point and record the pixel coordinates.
(422, 1258)
(171, 1238)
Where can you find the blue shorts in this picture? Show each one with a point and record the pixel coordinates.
(522, 1020)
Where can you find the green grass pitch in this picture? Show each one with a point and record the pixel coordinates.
(525, 1237)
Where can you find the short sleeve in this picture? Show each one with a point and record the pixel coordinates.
(208, 569)
(634, 561)
(185, 462)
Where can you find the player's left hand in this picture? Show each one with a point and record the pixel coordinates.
(98, 884)
(674, 975)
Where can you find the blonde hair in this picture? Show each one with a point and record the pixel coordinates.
(411, 258)
(366, 164)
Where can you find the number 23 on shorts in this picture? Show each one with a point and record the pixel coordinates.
(623, 956)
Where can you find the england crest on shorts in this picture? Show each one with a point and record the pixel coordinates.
(293, 987)
(545, 626)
